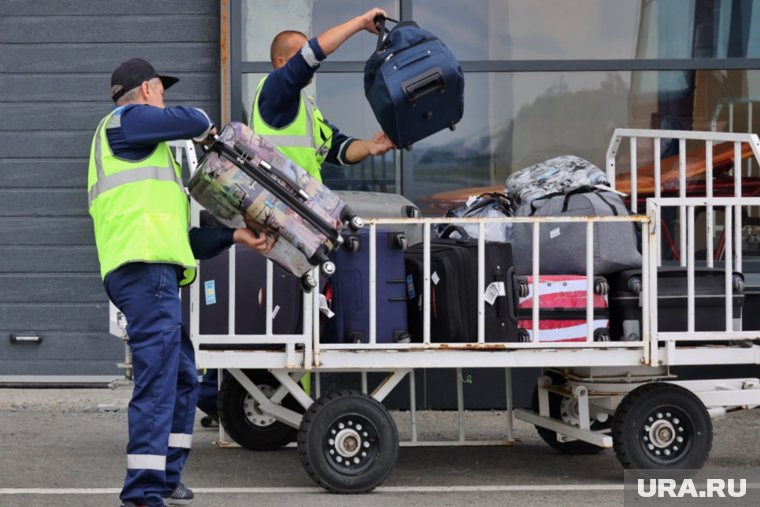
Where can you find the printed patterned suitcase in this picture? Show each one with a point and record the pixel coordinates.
(562, 308)
(244, 181)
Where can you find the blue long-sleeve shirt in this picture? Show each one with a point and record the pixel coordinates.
(281, 95)
(142, 128)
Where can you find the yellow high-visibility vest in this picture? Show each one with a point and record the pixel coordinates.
(139, 208)
(305, 141)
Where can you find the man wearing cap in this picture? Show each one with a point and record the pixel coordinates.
(288, 118)
(140, 213)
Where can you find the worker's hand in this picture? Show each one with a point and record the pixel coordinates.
(368, 19)
(258, 241)
(380, 144)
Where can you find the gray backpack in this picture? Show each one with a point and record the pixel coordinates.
(558, 175)
(563, 245)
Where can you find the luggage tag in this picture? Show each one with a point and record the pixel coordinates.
(493, 291)
(324, 307)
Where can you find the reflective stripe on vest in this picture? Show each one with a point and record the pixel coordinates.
(301, 140)
(137, 217)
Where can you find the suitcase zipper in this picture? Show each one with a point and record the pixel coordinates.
(419, 42)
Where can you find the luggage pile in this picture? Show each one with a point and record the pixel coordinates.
(243, 180)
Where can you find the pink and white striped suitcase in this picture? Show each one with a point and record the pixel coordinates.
(562, 308)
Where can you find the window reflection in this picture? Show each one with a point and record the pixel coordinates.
(593, 29)
(515, 120)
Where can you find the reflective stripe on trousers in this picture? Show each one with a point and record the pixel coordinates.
(162, 409)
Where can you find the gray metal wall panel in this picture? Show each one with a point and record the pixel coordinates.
(49, 317)
(51, 288)
(63, 202)
(24, 116)
(100, 57)
(56, 63)
(103, 7)
(43, 172)
(53, 88)
(53, 345)
(46, 231)
(139, 29)
(50, 259)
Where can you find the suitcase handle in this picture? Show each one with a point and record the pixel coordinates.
(513, 294)
(243, 150)
(428, 82)
(451, 228)
(382, 31)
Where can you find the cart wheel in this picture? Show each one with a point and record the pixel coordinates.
(348, 442)
(308, 283)
(327, 268)
(566, 410)
(356, 223)
(661, 425)
(243, 420)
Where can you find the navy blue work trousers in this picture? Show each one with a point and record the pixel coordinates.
(162, 409)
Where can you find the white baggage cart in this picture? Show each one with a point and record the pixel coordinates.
(592, 395)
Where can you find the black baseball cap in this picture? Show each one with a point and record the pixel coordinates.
(132, 73)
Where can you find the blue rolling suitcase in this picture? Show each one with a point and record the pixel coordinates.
(347, 292)
(413, 83)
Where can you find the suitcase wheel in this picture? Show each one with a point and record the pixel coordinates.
(327, 268)
(308, 283)
(351, 244)
(601, 335)
(398, 241)
(356, 222)
(523, 336)
(452, 126)
(601, 287)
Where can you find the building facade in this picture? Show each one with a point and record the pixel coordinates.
(542, 78)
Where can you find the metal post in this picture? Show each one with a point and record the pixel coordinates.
(413, 403)
(710, 219)
(590, 281)
(534, 299)
(372, 283)
(682, 193)
(460, 405)
(510, 412)
(481, 282)
(690, 272)
(634, 176)
(426, 283)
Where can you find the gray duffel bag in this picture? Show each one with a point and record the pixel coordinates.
(563, 244)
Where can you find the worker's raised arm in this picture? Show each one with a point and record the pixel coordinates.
(332, 39)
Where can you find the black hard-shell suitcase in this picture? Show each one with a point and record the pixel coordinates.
(454, 289)
(347, 291)
(709, 303)
(250, 299)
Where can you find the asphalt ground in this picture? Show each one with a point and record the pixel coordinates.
(66, 448)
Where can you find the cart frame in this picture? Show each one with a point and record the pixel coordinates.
(591, 378)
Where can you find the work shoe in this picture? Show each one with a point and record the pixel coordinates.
(180, 496)
(130, 503)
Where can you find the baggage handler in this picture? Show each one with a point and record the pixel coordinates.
(290, 119)
(140, 213)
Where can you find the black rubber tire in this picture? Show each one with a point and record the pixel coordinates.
(240, 428)
(681, 409)
(578, 447)
(379, 437)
